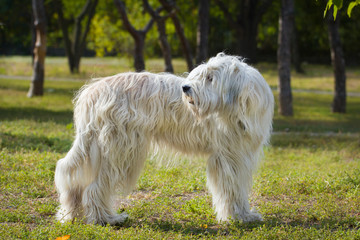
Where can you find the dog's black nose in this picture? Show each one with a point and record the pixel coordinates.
(186, 88)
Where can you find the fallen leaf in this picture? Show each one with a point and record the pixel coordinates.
(66, 237)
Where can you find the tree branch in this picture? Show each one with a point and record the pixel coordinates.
(84, 10)
(122, 10)
(155, 14)
(150, 10)
(64, 27)
(170, 7)
(148, 26)
(88, 22)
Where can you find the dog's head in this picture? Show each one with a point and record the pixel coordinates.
(227, 86)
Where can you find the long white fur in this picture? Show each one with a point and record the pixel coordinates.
(226, 115)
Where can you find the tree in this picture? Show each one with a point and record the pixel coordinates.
(338, 63)
(248, 14)
(295, 53)
(37, 82)
(284, 57)
(202, 37)
(75, 46)
(170, 6)
(138, 35)
(164, 44)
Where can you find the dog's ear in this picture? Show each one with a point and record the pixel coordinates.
(254, 103)
(234, 84)
(231, 96)
(220, 54)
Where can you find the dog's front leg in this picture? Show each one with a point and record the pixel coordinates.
(229, 180)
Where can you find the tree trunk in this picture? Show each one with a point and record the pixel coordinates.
(137, 35)
(171, 8)
(79, 43)
(246, 46)
(75, 49)
(139, 62)
(164, 44)
(284, 57)
(202, 37)
(184, 42)
(37, 82)
(295, 54)
(65, 33)
(338, 63)
(33, 38)
(245, 24)
(249, 21)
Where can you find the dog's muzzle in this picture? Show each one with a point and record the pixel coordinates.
(186, 90)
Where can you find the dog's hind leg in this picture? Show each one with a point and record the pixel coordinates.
(135, 159)
(71, 176)
(97, 202)
(229, 182)
(119, 169)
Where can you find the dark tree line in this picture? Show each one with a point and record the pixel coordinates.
(245, 22)
(243, 16)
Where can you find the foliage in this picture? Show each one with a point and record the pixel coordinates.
(351, 6)
(108, 38)
(307, 186)
(338, 4)
(15, 32)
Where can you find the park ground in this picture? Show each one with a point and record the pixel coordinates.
(306, 187)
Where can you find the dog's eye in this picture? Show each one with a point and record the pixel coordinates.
(209, 78)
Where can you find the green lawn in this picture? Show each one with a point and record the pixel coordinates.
(307, 186)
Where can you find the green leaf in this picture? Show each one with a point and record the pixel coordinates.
(338, 3)
(335, 12)
(351, 6)
(328, 6)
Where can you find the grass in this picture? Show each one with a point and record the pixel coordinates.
(307, 186)
(316, 77)
(90, 67)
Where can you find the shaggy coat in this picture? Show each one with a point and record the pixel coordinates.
(222, 110)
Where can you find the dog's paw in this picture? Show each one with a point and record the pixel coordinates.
(251, 216)
(119, 219)
(63, 215)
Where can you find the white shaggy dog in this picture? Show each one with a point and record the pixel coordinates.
(116, 119)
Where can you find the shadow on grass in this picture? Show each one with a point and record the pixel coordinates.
(37, 114)
(50, 87)
(31, 142)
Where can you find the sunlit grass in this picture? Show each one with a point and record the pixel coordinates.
(316, 77)
(57, 67)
